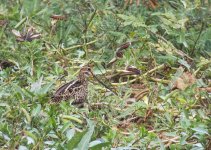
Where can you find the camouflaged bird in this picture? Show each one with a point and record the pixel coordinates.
(76, 89)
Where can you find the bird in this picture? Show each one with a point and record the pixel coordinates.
(75, 89)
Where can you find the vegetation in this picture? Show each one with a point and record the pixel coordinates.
(152, 67)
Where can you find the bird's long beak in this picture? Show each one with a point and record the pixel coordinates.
(88, 73)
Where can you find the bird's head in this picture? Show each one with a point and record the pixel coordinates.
(85, 72)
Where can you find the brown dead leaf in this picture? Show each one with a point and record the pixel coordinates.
(151, 4)
(185, 80)
(206, 89)
(58, 17)
(3, 23)
(133, 69)
(28, 35)
(121, 48)
(130, 2)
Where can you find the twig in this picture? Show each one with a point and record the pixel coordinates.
(104, 84)
(193, 49)
(160, 80)
(111, 62)
(77, 46)
(90, 20)
(170, 141)
(141, 77)
(141, 94)
(85, 33)
(122, 74)
(99, 104)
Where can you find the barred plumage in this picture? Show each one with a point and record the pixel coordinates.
(76, 89)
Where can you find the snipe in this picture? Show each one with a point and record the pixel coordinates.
(76, 89)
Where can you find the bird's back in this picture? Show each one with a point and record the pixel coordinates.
(73, 89)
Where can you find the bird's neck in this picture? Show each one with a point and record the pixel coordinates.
(82, 78)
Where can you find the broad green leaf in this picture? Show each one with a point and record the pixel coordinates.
(31, 135)
(100, 146)
(66, 126)
(75, 140)
(21, 147)
(183, 139)
(200, 130)
(96, 142)
(70, 133)
(84, 143)
(184, 63)
(36, 110)
(184, 3)
(36, 86)
(30, 140)
(99, 69)
(49, 142)
(46, 87)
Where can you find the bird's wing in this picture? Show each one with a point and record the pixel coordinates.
(66, 91)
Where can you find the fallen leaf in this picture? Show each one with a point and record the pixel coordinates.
(207, 89)
(119, 51)
(133, 69)
(29, 35)
(58, 17)
(3, 23)
(185, 80)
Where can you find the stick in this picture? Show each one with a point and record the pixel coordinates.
(104, 84)
(141, 77)
(77, 46)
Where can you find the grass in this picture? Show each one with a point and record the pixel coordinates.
(167, 106)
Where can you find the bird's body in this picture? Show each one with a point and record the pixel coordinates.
(76, 89)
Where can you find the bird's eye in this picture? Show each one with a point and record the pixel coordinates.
(89, 69)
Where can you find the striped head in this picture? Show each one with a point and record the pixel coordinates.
(84, 73)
